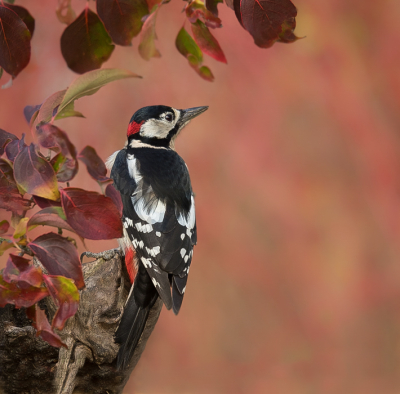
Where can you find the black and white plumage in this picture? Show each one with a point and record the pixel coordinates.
(158, 217)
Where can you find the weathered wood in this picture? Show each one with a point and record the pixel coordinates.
(29, 365)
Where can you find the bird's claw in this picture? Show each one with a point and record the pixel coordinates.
(106, 255)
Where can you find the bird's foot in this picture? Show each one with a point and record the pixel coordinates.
(106, 255)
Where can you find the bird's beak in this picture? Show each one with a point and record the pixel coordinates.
(190, 113)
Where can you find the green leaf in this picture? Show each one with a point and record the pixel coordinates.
(68, 112)
(20, 230)
(90, 82)
(188, 48)
(206, 73)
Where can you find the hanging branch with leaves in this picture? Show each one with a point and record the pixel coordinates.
(29, 178)
(90, 38)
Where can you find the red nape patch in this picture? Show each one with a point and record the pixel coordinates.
(134, 127)
(130, 266)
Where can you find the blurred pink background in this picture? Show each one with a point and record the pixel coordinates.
(295, 284)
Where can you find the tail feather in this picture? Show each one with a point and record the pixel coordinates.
(130, 330)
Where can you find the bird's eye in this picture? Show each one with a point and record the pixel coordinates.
(168, 117)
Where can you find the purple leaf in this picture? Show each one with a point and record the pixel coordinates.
(266, 20)
(58, 256)
(44, 202)
(12, 148)
(24, 14)
(122, 18)
(85, 43)
(51, 216)
(94, 164)
(31, 111)
(5, 138)
(35, 174)
(15, 42)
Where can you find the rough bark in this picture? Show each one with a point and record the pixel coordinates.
(28, 365)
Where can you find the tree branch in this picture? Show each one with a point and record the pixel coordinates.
(30, 365)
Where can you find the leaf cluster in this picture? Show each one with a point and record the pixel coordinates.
(38, 175)
(90, 38)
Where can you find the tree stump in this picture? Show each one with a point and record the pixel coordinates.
(29, 365)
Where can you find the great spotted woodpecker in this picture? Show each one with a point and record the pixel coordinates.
(158, 217)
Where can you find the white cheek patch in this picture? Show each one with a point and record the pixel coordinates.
(156, 128)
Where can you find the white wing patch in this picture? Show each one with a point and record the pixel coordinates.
(153, 214)
(191, 219)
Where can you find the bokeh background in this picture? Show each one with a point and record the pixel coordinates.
(295, 283)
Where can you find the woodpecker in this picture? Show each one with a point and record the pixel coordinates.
(159, 222)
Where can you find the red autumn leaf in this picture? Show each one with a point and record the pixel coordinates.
(51, 216)
(5, 138)
(91, 214)
(12, 149)
(4, 226)
(19, 270)
(207, 42)
(11, 200)
(122, 18)
(31, 112)
(44, 329)
(66, 297)
(44, 202)
(211, 5)
(196, 10)
(15, 42)
(85, 43)
(12, 293)
(58, 256)
(115, 196)
(147, 46)
(24, 14)
(265, 20)
(95, 166)
(11, 272)
(34, 174)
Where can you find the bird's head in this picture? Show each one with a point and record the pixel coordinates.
(158, 125)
